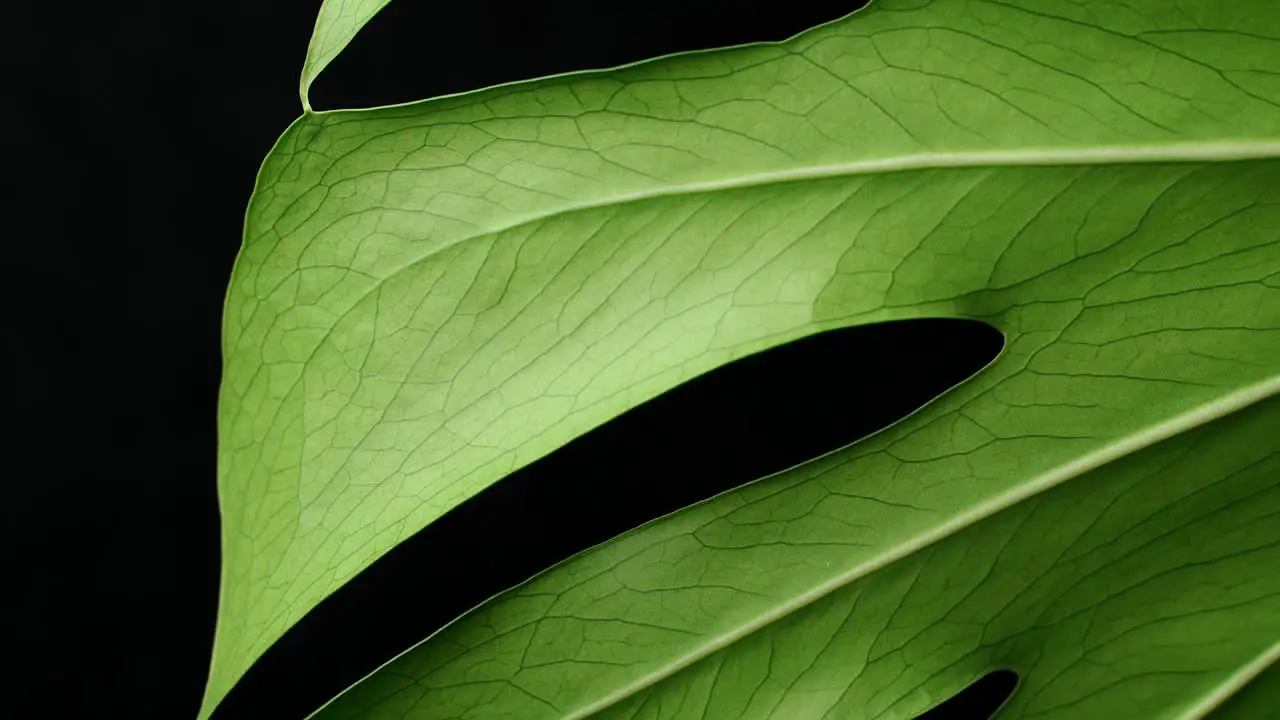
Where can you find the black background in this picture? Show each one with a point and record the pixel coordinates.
(132, 133)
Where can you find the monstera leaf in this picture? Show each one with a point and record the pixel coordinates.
(432, 295)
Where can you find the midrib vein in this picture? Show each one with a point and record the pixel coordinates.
(1206, 413)
(1186, 152)
(1219, 151)
(1234, 682)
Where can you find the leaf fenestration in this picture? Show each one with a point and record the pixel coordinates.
(432, 295)
(744, 420)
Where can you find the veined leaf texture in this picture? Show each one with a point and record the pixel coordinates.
(432, 295)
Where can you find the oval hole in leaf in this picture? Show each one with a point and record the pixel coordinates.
(756, 416)
(415, 50)
(979, 701)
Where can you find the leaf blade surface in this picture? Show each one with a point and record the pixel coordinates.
(336, 26)
(1105, 591)
(432, 295)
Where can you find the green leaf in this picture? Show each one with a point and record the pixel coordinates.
(433, 295)
(336, 25)
(1129, 585)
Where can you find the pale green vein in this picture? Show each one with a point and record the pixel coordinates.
(1171, 153)
(1205, 414)
(1234, 683)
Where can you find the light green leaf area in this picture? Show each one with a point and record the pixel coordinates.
(336, 25)
(433, 295)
